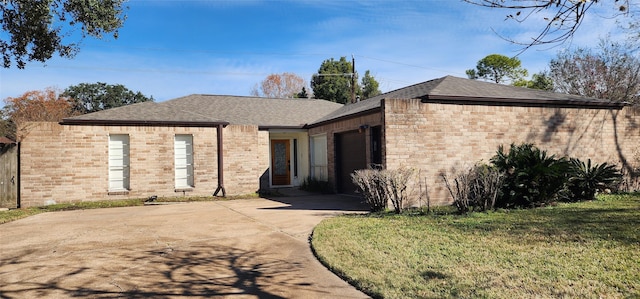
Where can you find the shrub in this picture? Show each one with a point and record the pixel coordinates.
(372, 187)
(585, 180)
(630, 181)
(476, 189)
(532, 178)
(630, 175)
(382, 186)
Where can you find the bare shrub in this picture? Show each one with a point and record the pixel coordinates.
(475, 189)
(382, 186)
(630, 181)
(372, 187)
(397, 182)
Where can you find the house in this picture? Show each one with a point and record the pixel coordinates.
(228, 145)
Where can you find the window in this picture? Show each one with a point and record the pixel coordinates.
(183, 147)
(319, 157)
(118, 162)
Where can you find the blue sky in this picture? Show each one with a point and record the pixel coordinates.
(172, 48)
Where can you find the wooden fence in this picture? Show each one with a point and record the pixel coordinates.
(9, 183)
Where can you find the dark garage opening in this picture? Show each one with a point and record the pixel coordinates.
(351, 155)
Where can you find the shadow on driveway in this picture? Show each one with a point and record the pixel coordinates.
(254, 248)
(333, 202)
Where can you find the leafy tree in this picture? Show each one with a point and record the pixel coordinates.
(302, 94)
(336, 81)
(37, 105)
(538, 81)
(497, 68)
(285, 85)
(33, 29)
(562, 17)
(370, 87)
(610, 72)
(333, 81)
(7, 127)
(92, 97)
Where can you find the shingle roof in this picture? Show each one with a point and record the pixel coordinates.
(454, 89)
(201, 109)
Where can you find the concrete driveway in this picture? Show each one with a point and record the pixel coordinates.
(254, 248)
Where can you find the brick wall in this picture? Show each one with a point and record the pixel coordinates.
(441, 138)
(70, 163)
(333, 128)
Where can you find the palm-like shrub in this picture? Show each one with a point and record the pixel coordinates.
(585, 180)
(532, 178)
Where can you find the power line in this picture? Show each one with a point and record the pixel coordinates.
(236, 53)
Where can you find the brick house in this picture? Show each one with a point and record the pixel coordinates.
(205, 144)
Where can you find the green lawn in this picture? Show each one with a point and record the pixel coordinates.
(582, 250)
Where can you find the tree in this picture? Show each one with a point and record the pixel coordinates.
(33, 29)
(302, 94)
(333, 82)
(92, 97)
(538, 81)
(283, 86)
(497, 68)
(612, 72)
(370, 87)
(566, 15)
(7, 127)
(37, 105)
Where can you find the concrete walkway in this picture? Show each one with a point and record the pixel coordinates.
(254, 248)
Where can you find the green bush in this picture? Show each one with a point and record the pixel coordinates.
(531, 177)
(585, 180)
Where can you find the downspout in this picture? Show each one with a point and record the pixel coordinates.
(220, 163)
(18, 203)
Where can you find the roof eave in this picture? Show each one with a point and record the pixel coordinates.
(103, 122)
(274, 127)
(568, 103)
(349, 116)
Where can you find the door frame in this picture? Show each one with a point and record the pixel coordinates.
(286, 179)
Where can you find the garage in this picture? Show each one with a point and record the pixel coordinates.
(351, 155)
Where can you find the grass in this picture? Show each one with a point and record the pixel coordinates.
(580, 250)
(15, 214)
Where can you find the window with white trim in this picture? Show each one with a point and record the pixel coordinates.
(118, 162)
(319, 157)
(183, 148)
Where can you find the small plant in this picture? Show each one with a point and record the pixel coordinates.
(630, 181)
(314, 185)
(585, 180)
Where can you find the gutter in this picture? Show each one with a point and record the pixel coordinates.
(86, 122)
(268, 127)
(568, 103)
(348, 116)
